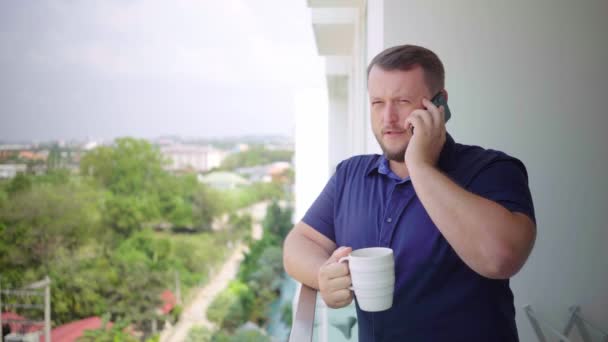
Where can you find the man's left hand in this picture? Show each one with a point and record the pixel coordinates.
(429, 136)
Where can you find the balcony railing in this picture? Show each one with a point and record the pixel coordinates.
(304, 315)
(314, 321)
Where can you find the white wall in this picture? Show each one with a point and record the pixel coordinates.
(530, 78)
(311, 146)
(338, 115)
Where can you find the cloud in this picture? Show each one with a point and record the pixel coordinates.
(225, 42)
(153, 67)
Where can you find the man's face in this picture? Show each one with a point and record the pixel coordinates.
(393, 96)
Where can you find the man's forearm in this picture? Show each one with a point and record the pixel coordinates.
(302, 258)
(489, 238)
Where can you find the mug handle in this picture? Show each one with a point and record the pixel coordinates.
(346, 258)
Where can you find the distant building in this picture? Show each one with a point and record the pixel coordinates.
(32, 155)
(242, 148)
(259, 173)
(90, 145)
(192, 157)
(8, 171)
(223, 180)
(13, 147)
(265, 173)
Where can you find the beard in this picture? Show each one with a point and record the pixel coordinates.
(397, 155)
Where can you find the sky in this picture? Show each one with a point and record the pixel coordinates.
(103, 69)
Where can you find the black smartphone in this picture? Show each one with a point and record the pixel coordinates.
(440, 100)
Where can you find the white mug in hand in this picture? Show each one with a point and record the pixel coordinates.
(372, 271)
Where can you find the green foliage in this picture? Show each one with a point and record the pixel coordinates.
(257, 155)
(287, 314)
(21, 182)
(88, 233)
(259, 277)
(243, 197)
(3, 196)
(80, 286)
(175, 313)
(176, 197)
(135, 296)
(240, 336)
(54, 176)
(199, 334)
(250, 262)
(126, 215)
(230, 308)
(240, 223)
(140, 192)
(47, 218)
(206, 204)
(114, 333)
(249, 336)
(53, 161)
(278, 221)
(130, 167)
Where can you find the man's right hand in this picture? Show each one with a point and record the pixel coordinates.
(334, 280)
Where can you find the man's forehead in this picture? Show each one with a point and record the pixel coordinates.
(383, 81)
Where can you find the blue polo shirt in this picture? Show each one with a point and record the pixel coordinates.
(437, 296)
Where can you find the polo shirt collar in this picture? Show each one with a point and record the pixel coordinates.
(381, 164)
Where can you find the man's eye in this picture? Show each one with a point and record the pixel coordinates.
(376, 102)
(404, 101)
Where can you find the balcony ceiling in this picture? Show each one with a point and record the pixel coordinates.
(334, 30)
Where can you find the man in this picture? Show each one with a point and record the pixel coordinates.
(459, 218)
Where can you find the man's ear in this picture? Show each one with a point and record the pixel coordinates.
(445, 94)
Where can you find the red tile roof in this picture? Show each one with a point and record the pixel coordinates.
(169, 301)
(19, 327)
(70, 332)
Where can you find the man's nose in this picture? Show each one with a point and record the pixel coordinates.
(390, 114)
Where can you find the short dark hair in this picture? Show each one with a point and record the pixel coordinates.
(406, 57)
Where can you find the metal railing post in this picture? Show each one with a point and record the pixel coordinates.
(304, 315)
(47, 309)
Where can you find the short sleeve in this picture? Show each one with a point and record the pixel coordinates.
(506, 182)
(320, 215)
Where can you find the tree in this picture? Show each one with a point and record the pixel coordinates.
(277, 221)
(135, 294)
(19, 183)
(47, 218)
(80, 285)
(206, 204)
(199, 334)
(231, 308)
(132, 172)
(142, 192)
(126, 215)
(132, 166)
(53, 161)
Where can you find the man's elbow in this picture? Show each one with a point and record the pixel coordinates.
(506, 257)
(502, 268)
(505, 262)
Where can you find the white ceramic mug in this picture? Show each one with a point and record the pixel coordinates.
(372, 272)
